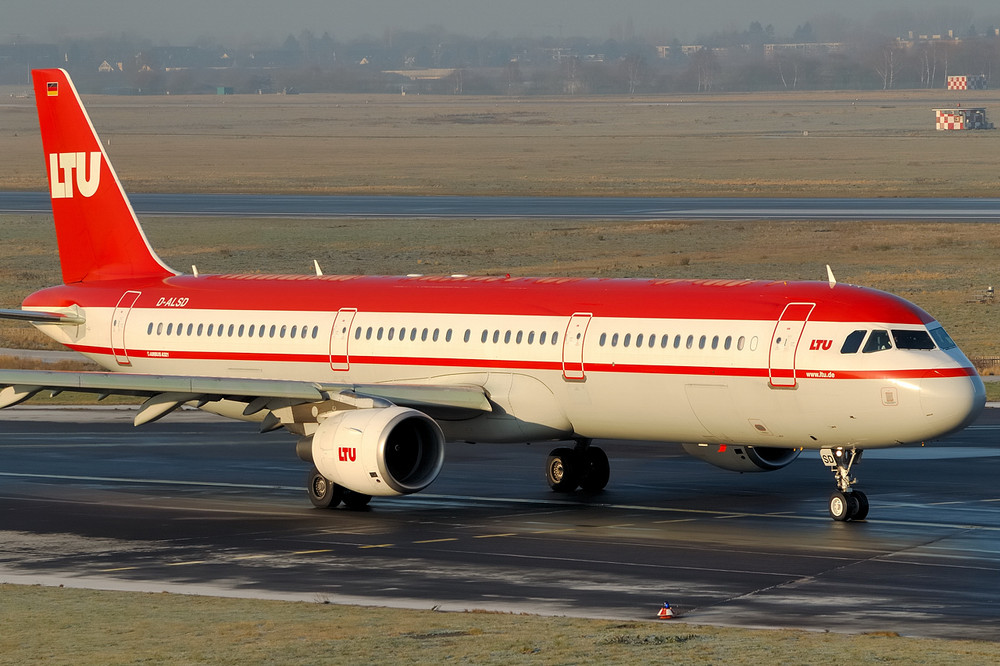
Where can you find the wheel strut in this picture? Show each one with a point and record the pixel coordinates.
(846, 503)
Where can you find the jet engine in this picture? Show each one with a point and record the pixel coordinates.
(740, 458)
(381, 452)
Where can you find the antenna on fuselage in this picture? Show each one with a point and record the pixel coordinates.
(319, 272)
(829, 276)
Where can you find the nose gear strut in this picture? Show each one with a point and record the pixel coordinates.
(845, 502)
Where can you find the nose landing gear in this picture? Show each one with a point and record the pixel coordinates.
(845, 502)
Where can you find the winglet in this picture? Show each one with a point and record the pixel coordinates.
(97, 230)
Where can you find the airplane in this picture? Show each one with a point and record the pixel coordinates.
(373, 374)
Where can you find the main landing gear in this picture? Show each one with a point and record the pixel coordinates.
(845, 502)
(325, 494)
(584, 466)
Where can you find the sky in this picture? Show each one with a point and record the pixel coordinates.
(181, 22)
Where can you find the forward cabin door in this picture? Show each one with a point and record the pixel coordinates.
(572, 353)
(118, 321)
(339, 338)
(785, 342)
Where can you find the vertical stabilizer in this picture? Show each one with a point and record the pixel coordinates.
(98, 233)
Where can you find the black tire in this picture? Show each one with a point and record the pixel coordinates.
(597, 470)
(840, 507)
(863, 507)
(562, 470)
(323, 493)
(355, 501)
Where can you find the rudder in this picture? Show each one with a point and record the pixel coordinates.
(98, 233)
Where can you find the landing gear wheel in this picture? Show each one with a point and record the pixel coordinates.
(323, 493)
(840, 507)
(862, 501)
(597, 470)
(355, 501)
(562, 470)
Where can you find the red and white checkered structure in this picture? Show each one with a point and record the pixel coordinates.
(967, 82)
(949, 119)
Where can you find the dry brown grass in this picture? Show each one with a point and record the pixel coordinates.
(791, 144)
(91, 627)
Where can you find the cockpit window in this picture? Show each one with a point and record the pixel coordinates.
(912, 339)
(877, 341)
(853, 342)
(942, 339)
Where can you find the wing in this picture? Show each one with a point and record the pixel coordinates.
(274, 402)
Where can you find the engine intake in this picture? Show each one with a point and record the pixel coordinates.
(740, 458)
(381, 452)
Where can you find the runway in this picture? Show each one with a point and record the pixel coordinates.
(610, 208)
(198, 505)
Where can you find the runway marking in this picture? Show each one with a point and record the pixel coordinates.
(494, 536)
(184, 564)
(436, 540)
(378, 545)
(161, 482)
(312, 552)
(117, 569)
(251, 557)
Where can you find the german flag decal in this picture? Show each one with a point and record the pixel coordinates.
(52, 88)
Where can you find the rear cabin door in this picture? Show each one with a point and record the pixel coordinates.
(339, 338)
(572, 355)
(118, 321)
(785, 342)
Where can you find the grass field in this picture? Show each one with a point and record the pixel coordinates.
(813, 144)
(793, 144)
(85, 627)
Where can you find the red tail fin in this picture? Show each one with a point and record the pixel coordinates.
(98, 233)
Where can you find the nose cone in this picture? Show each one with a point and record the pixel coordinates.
(951, 402)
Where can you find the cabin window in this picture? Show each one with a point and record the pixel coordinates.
(614, 340)
(496, 337)
(555, 337)
(664, 341)
(260, 330)
(242, 328)
(190, 329)
(434, 336)
(604, 338)
(741, 343)
(159, 328)
(853, 342)
(447, 335)
(368, 333)
(715, 342)
(677, 342)
(728, 343)
(392, 333)
(170, 329)
(701, 341)
(209, 331)
(627, 340)
(878, 341)
(485, 335)
(423, 335)
(520, 336)
(689, 343)
(149, 329)
(315, 332)
(413, 333)
(541, 338)
(296, 328)
(232, 327)
(378, 335)
(905, 339)
(467, 336)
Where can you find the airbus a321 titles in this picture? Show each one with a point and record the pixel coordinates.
(374, 374)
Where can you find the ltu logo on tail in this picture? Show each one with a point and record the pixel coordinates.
(88, 174)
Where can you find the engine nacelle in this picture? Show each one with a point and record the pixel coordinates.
(381, 452)
(741, 458)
